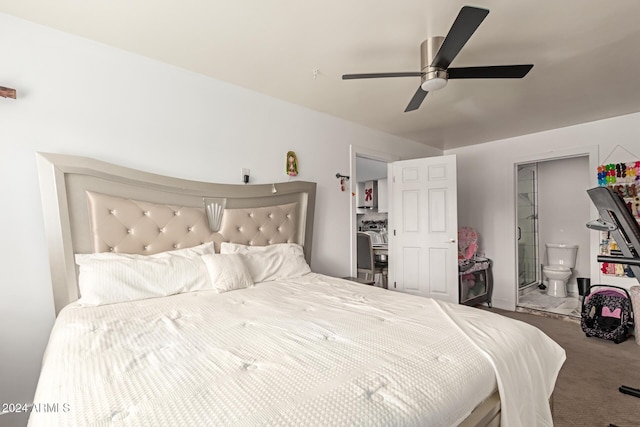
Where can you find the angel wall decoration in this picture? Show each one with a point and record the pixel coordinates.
(292, 164)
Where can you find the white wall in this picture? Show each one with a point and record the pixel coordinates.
(562, 219)
(82, 98)
(486, 186)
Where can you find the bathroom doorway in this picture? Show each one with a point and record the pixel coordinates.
(552, 207)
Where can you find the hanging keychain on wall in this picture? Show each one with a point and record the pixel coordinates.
(343, 181)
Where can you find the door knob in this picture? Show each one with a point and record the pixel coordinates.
(452, 240)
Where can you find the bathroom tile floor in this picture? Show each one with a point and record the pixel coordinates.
(539, 300)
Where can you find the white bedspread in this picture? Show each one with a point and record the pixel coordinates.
(314, 351)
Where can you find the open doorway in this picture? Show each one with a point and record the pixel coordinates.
(372, 211)
(420, 191)
(369, 208)
(552, 208)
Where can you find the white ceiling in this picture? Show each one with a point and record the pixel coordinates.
(586, 55)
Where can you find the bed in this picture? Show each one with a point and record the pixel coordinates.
(253, 337)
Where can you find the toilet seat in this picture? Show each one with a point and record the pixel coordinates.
(557, 268)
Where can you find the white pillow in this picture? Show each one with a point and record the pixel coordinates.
(192, 252)
(273, 262)
(107, 278)
(227, 272)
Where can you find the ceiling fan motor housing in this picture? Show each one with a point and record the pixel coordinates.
(434, 78)
(428, 50)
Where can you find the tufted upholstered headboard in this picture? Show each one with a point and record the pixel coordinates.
(93, 206)
(133, 226)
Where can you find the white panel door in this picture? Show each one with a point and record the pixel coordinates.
(423, 234)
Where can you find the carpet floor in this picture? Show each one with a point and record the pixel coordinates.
(586, 392)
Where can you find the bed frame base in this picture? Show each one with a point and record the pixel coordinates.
(487, 414)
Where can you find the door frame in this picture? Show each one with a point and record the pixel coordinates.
(592, 152)
(359, 151)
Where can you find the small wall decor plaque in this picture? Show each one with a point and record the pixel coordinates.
(7, 92)
(292, 164)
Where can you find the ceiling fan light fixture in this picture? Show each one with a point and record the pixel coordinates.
(434, 83)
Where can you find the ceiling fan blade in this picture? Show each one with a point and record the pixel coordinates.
(378, 75)
(417, 99)
(467, 22)
(492, 72)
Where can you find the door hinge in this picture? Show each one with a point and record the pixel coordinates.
(394, 231)
(394, 285)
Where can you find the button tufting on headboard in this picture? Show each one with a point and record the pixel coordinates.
(133, 226)
(260, 226)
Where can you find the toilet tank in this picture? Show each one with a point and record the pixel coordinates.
(562, 254)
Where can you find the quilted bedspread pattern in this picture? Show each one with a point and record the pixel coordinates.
(311, 351)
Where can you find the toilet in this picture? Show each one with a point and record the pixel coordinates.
(561, 259)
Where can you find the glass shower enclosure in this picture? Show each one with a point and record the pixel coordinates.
(527, 234)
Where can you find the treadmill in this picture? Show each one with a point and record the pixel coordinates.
(616, 219)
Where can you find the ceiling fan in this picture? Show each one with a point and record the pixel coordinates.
(437, 53)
